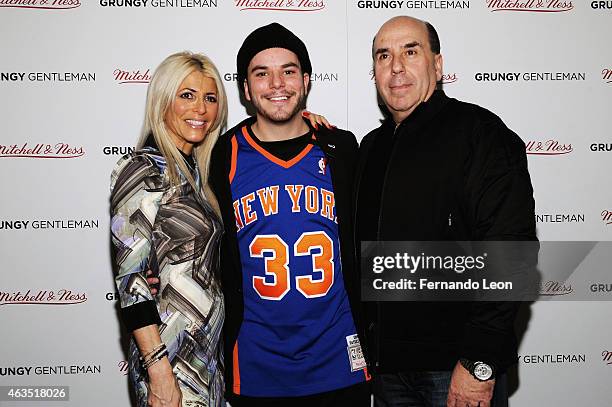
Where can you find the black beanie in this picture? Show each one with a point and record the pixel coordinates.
(270, 36)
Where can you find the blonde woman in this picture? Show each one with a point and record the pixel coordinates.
(165, 219)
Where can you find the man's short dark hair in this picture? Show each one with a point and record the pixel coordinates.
(434, 40)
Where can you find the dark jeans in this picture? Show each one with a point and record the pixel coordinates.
(357, 395)
(424, 389)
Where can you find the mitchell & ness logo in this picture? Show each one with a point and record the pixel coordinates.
(448, 78)
(280, 5)
(42, 297)
(123, 367)
(41, 4)
(606, 217)
(548, 147)
(40, 150)
(135, 76)
(537, 6)
(552, 288)
(607, 357)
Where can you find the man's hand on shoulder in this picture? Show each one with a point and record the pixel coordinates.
(465, 390)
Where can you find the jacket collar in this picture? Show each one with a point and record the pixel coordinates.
(423, 114)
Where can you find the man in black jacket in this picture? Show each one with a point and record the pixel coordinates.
(288, 272)
(450, 171)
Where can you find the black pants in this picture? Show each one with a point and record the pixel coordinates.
(425, 389)
(357, 395)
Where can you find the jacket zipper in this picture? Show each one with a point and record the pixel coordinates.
(382, 195)
(382, 199)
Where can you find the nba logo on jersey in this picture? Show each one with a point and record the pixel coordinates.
(322, 165)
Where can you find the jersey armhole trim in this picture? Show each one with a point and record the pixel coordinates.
(234, 159)
(236, 370)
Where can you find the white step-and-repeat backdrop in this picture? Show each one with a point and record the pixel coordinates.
(73, 78)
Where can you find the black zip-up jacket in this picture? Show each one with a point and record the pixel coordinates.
(340, 147)
(455, 172)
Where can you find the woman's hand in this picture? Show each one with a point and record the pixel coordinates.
(316, 120)
(153, 283)
(163, 386)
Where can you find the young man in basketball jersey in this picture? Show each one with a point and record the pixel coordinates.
(288, 270)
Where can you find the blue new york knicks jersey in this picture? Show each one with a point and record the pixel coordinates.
(297, 336)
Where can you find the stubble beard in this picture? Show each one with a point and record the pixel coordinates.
(279, 115)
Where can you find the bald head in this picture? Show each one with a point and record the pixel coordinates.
(432, 34)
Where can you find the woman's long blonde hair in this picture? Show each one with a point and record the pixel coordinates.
(161, 93)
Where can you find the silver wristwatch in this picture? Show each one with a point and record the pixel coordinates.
(480, 370)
